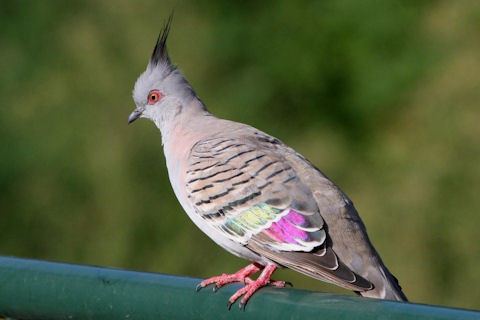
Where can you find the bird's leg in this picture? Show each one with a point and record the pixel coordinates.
(241, 275)
(253, 285)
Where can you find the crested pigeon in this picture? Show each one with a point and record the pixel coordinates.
(253, 195)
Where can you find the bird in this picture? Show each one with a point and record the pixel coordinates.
(255, 196)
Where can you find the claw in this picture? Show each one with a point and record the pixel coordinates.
(229, 305)
(215, 288)
(199, 287)
(241, 306)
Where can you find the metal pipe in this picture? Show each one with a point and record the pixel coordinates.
(31, 289)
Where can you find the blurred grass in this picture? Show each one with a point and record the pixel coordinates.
(382, 95)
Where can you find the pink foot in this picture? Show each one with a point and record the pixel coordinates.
(240, 276)
(273, 283)
(253, 285)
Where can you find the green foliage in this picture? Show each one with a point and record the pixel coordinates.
(381, 95)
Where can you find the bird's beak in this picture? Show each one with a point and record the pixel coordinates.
(135, 115)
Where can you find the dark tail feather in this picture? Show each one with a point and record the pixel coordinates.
(386, 287)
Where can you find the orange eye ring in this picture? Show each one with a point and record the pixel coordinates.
(154, 96)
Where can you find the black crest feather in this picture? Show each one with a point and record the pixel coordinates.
(160, 53)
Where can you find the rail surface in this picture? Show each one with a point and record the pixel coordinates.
(31, 289)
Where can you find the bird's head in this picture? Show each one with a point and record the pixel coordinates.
(161, 91)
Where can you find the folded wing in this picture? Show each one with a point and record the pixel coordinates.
(247, 190)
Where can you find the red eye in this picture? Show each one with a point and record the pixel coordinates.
(154, 96)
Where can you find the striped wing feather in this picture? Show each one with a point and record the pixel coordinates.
(247, 190)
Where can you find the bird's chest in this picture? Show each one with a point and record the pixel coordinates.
(177, 168)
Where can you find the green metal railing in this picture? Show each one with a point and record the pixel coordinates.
(31, 289)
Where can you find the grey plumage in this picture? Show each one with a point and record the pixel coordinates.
(252, 194)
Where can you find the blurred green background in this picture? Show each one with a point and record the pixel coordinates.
(383, 96)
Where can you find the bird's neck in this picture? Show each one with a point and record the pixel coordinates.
(190, 124)
(178, 118)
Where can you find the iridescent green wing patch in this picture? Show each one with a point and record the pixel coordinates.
(251, 220)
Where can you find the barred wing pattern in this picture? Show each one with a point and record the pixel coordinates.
(248, 191)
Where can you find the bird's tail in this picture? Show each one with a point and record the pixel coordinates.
(386, 285)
